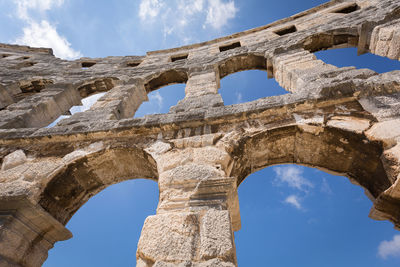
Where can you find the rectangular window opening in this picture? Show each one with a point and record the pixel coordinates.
(176, 58)
(229, 47)
(287, 30)
(88, 64)
(347, 9)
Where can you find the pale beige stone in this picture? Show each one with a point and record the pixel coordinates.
(386, 131)
(14, 159)
(216, 236)
(169, 237)
(349, 123)
(201, 150)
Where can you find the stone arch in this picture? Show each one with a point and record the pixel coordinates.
(332, 149)
(89, 171)
(330, 40)
(164, 78)
(241, 62)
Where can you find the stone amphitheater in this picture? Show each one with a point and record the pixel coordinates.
(341, 120)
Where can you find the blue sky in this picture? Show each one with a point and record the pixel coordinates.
(291, 215)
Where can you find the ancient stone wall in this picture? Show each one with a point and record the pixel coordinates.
(342, 120)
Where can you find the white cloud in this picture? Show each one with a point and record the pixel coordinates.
(39, 5)
(158, 99)
(219, 13)
(45, 35)
(294, 201)
(42, 34)
(190, 7)
(182, 17)
(150, 8)
(390, 248)
(293, 176)
(325, 187)
(239, 98)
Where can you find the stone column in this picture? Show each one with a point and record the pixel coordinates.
(384, 40)
(201, 91)
(27, 232)
(198, 207)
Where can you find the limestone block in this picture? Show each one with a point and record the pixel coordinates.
(212, 156)
(14, 159)
(189, 173)
(30, 171)
(352, 124)
(174, 159)
(386, 131)
(169, 237)
(394, 190)
(214, 263)
(391, 161)
(216, 236)
(385, 40)
(80, 153)
(313, 120)
(202, 84)
(210, 263)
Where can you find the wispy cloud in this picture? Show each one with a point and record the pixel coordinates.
(24, 6)
(157, 99)
(41, 33)
(239, 98)
(219, 13)
(294, 201)
(325, 187)
(149, 9)
(390, 248)
(181, 17)
(293, 177)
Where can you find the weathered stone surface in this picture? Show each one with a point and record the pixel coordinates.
(341, 120)
(386, 131)
(14, 159)
(170, 237)
(349, 124)
(216, 236)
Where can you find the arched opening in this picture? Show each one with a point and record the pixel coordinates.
(247, 86)
(89, 170)
(166, 78)
(324, 41)
(86, 102)
(240, 63)
(299, 216)
(347, 57)
(246, 76)
(339, 151)
(107, 228)
(161, 100)
(164, 90)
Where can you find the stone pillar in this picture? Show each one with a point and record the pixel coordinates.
(198, 207)
(201, 91)
(385, 40)
(27, 232)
